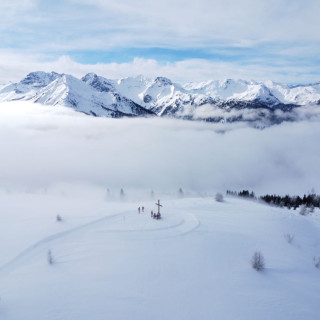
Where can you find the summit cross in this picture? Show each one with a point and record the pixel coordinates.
(159, 205)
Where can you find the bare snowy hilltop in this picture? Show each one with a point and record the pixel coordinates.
(259, 103)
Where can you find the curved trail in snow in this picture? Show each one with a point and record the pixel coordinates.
(164, 229)
(7, 267)
(154, 229)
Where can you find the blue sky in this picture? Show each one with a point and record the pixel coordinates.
(202, 40)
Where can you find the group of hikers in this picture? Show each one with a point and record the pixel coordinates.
(141, 209)
(154, 215)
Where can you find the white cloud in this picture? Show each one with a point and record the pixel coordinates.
(105, 25)
(35, 33)
(12, 13)
(14, 66)
(212, 20)
(43, 146)
(17, 5)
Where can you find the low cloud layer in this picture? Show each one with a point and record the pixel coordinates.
(42, 147)
(254, 117)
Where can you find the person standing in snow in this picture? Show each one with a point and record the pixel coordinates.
(139, 210)
(142, 209)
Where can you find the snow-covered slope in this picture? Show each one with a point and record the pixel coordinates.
(65, 90)
(138, 96)
(27, 87)
(269, 92)
(119, 102)
(302, 95)
(109, 262)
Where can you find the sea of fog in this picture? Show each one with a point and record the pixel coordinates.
(48, 148)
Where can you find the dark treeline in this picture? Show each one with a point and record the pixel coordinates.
(310, 200)
(243, 193)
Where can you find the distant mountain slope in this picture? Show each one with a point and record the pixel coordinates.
(60, 89)
(219, 101)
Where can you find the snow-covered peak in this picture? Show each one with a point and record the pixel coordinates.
(89, 77)
(99, 83)
(58, 90)
(39, 78)
(259, 93)
(163, 81)
(161, 90)
(132, 87)
(87, 97)
(28, 87)
(234, 84)
(300, 94)
(219, 89)
(128, 82)
(272, 84)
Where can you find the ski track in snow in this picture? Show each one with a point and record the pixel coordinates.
(186, 224)
(21, 257)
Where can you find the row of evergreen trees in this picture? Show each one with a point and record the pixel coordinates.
(310, 200)
(243, 193)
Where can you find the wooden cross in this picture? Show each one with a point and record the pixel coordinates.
(159, 205)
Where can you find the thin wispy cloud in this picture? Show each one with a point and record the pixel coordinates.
(15, 66)
(226, 33)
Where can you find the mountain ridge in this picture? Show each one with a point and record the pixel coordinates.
(140, 96)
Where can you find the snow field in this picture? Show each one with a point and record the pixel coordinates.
(111, 262)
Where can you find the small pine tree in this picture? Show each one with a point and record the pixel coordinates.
(50, 257)
(121, 193)
(257, 261)
(303, 210)
(289, 237)
(180, 192)
(219, 197)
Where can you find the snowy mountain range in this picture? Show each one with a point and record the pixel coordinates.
(217, 101)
